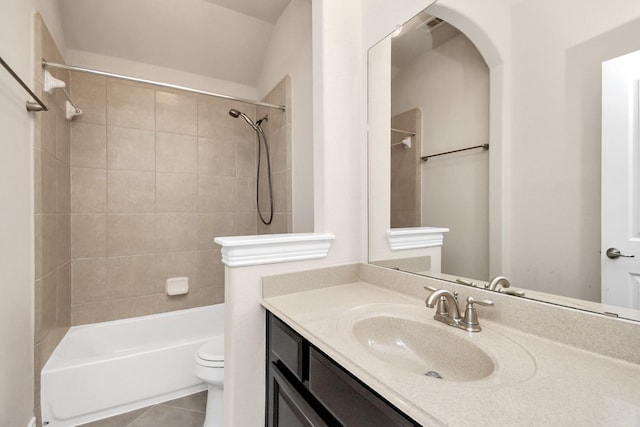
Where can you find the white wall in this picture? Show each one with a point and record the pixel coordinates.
(555, 154)
(16, 211)
(289, 52)
(160, 74)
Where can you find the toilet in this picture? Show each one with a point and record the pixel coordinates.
(209, 367)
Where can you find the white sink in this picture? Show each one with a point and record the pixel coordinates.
(407, 339)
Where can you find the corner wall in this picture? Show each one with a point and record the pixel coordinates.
(16, 215)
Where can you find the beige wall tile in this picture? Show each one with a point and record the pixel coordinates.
(130, 106)
(281, 192)
(88, 190)
(214, 120)
(130, 234)
(176, 264)
(131, 276)
(49, 243)
(130, 149)
(63, 196)
(63, 239)
(246, 157)
(90, 93)
(245, 195)
(89, 279)
(37, 245)
(176, 192)
(48, 185)
(49, 302)
(216, 194)
(63, 139)
(216, 157)
(279, 150)
(130, 191)
(246, 224)
(37, 180)
(101, 311)
(88, 145)
(88, 236)
(176, 232)
(48, 121)
(214, 225)
(176, 153)
(280, 224)
(176, 113)
(210, 269)
(63, 315)
(38, 332)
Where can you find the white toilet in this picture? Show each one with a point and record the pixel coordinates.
(209, 367)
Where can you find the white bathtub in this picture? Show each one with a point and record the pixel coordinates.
(105, 369)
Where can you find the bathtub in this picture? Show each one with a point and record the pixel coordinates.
(105, 369)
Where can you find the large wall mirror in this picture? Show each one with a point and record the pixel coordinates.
(514, 94)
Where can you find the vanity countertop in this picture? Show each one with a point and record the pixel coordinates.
(567, 386)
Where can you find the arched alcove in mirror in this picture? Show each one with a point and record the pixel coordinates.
(439, 113)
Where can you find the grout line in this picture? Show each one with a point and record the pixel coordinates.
(141, 415)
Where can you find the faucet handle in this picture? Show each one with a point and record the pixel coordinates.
(470, 320)
(485, 302)
(429, 288)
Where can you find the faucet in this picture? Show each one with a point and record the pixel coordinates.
(497, 281)
(446, 299)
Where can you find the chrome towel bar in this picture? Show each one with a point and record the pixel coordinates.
(31, 106)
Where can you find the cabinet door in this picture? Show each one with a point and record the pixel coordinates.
(346, 399)
(288, 407)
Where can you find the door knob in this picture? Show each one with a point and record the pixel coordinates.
(614, 253)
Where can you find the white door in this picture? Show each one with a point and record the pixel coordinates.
(620, 251)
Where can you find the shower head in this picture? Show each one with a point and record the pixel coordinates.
(235, 114)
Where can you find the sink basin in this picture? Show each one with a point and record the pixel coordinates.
(422, 349)
(399, 340)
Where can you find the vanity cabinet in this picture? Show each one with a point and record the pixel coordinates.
(307, 388)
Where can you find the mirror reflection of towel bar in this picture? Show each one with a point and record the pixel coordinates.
(425, 158)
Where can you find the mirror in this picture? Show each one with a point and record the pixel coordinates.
(529, 205)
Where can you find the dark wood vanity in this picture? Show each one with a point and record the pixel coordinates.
(307, 388)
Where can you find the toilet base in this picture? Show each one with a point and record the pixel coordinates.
(213, 415)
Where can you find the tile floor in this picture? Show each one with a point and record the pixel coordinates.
(184, 412)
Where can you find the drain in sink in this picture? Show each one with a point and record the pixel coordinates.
(434, 374)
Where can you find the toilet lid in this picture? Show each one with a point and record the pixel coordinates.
(212, 350)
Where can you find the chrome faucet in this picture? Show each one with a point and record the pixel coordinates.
(497, 281)
(448, 312)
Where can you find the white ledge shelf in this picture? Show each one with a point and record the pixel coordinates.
(242, 251)
(415, 237)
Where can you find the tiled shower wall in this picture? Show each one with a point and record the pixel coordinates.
(405, 170)
(277, 129)
(155, 175)
(52, 219)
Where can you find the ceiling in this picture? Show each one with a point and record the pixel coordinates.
(221, 39)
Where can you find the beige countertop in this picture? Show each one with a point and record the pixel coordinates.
(542, 383)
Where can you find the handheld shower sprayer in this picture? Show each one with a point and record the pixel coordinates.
(259, 132)
(235, 114)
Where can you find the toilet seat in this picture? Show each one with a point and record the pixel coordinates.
(211, 353)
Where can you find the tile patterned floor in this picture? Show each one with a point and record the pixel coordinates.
(184, 412)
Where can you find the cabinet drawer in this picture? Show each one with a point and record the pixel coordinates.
(349, 401)
(289, 408)
(286, 346)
